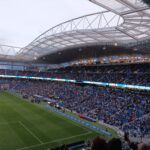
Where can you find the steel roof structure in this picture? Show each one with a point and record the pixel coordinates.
(8, 52)
(123, 22)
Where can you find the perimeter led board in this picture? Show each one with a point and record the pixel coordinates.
(118, 85)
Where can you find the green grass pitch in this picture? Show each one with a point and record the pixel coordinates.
(27, 126)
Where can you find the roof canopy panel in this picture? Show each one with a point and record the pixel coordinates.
(124, 21)
(121, 6)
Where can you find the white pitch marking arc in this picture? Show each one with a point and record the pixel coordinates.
(33, 146)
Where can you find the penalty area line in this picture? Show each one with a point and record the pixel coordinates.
(62, 139)
(27, 129)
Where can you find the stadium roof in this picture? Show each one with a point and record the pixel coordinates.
(123, 22)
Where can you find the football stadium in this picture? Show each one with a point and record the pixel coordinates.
(83, 84)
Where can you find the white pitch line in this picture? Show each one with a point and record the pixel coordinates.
(33, 146)
(30, 132)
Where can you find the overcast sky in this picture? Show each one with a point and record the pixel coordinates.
(21, 21)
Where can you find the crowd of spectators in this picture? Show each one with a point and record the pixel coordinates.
(139, 127)
(136, 74)
(128, 110)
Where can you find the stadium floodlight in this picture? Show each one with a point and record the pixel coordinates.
(135, 49)
(35, 58)
(116, 44)
(104, 48)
